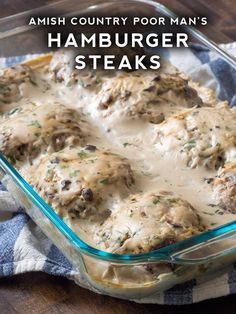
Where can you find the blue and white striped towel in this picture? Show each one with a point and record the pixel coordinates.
(24, 248)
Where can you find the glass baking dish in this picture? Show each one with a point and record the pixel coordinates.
(125, 274)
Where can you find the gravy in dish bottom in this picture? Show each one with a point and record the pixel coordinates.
(115, 173)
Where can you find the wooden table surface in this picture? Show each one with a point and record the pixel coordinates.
(41, 293)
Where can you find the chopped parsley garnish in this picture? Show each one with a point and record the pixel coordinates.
(131, 213)
(82, 154)
(172, 200)
(4, 89)
(126, 144)
(156, 201)
(190, 144)
(105, 181)
(14, 110)
(35, 148)
(64, 166)
(74, 174)
(35, 123)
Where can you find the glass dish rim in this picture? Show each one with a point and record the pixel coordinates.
(162, 254)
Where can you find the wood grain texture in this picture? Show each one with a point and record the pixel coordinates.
(40, 293)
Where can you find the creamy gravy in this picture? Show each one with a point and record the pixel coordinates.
(129, 136)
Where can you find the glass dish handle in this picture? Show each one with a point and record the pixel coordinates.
(220, 242)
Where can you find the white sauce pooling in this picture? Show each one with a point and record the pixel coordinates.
(136, 161)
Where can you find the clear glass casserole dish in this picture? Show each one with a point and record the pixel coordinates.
(120, 275)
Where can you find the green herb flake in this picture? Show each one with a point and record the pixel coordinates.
(14, 110)
(172, 200)
(126, 144)
(190, 144)
(82, 154)
(105, 181)
(64, 166)
(74, 174)
(35, 148)
(212, 205)
(4, 89)
(156, 201)
(35, 123)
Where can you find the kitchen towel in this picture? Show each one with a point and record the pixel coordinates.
(24, 248)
